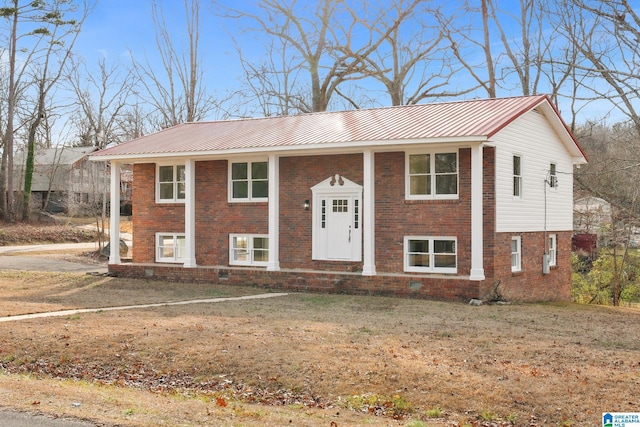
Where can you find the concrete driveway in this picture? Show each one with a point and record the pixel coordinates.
(10, 418)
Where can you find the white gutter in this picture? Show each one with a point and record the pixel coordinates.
(332, 148)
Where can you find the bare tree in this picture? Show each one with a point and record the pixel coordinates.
(101, 100)
(271, 85)
(6, 166)
(605, 34)
(465, 39)
(42, 27)
(613, 174)
(59, 40)
(315, 55)
(526, 56)
(178, 95)
(411, 61)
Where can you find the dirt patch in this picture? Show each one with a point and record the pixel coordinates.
(315, 359)
(26, 234)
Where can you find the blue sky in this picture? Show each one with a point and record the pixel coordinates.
(117, 28)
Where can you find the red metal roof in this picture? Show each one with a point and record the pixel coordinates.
(392, 125)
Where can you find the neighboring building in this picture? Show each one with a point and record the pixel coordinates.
(64, 180)
(453, 200)
(590, 215)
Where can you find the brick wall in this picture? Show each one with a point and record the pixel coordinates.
(530, 284)
(297, 176)
(395, 218)
(216, 218)
(149, 217)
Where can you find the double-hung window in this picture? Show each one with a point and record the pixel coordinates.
(553, 250)
(170, 181)
(170, 247)
(553, 176)
(517, 177)
(516, 253)
(432, 175)
(430, 254)
(248, 249)
(248, 181)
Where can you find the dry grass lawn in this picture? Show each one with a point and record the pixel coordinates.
(309, 359)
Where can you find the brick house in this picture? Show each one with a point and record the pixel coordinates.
(458, 200)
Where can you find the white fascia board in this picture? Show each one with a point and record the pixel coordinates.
(296, 150)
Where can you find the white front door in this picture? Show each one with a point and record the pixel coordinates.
(339, 228)
(337, 234)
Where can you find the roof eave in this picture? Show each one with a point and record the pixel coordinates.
(328, 148)
(562, 130)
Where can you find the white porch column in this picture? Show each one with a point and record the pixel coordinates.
(477, 238)
(190, 214)
(114, 215)
(368, 215)
(273, 264)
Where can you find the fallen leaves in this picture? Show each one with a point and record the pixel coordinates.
(12, 234)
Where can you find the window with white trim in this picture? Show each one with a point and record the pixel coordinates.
(170, 181)
(248, 181)
(516, 253)
(553, 250)
(248, 249)
(170, 247)
(517, 177)
(430, 254)
(553, 176)
(431, 175)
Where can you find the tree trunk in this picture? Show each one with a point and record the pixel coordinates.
(3, 182)
(8, 143)
(491, 88)
(28, 169)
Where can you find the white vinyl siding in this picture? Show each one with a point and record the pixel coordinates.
(533, 139)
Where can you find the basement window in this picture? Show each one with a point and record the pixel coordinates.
(248, 249)
(170, 247)
(430, 254)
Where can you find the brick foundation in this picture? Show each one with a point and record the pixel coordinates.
(454, 288)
